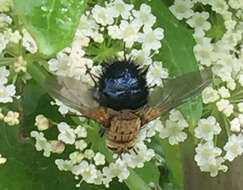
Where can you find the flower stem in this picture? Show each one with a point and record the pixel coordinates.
(38, 74)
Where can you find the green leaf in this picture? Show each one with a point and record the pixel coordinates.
(32, 94)
(135, 182)
(177, 53)
(172, 156)
(27, 169)
(217, 29)
(52, 22)
(149, 173)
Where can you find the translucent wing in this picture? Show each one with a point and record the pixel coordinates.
(76, 94)
(175, 92)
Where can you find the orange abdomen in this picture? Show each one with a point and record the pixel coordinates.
(123, 131)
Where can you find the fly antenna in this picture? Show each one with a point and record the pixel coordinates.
(92, 76)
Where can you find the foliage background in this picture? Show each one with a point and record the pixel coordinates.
(27, 169)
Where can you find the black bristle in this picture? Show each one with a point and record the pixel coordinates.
(122, 85)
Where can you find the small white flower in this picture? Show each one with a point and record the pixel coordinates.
(89, 154)
(81, 132)
(76, 157)
(64, 165)
(87, 26)
(234, 147)
(7, 93)
(57, 146)
(144, 16)
(209, 95)
(207, 128)
(2, 160)
(63, 109)
(223, 71)
(219, 6)
(199, 36)
(236, 4)
(176, 116)
(225, 106)
(240, 107)
(224, 92)
(1, 115)
(99, 178)
(13, 37)
(5, 20)
(182, 9)
(206, 153)
(41, 143)
(80, 145)
(28, 42)
(138, 158)
(60, 65)
(20, 65)
(3, 42)
(4, 73)
(89, 174)
(86, 170)
(150, 39)
(119, 7)
(230, 24)
(240, 79)
(221, 49)
(78, 169)
(241, 120)
(12, 118)
(235, 125)
(214, 167)
(5, 5)
(103, 16)
(117, 169)
(155, 73)
(199, 21)
(41, 122)
(141, 57)
(99, 159)
(114, 32)
(231, 85)
(204, 53)
(174, 132)
(67, 134)
(153, 127)
(98, 37)
(129, 32)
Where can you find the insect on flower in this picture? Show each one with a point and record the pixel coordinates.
(121, 100)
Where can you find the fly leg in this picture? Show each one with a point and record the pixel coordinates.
(92, 76)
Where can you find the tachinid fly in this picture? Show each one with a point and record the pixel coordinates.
(121, 100)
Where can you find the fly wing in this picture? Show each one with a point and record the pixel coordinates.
(76, 94)
(175, 92)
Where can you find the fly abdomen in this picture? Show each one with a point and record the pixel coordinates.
(123, 131)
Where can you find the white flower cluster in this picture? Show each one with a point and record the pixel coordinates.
(87, 165)
(6, 91)
(174, 127)
(121, 22)
(11, 118)
(10, 37)
(41, 122)
(5, 5)
(208, 158)
(226, 62)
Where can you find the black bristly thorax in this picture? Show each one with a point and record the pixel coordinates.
(122, 85)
